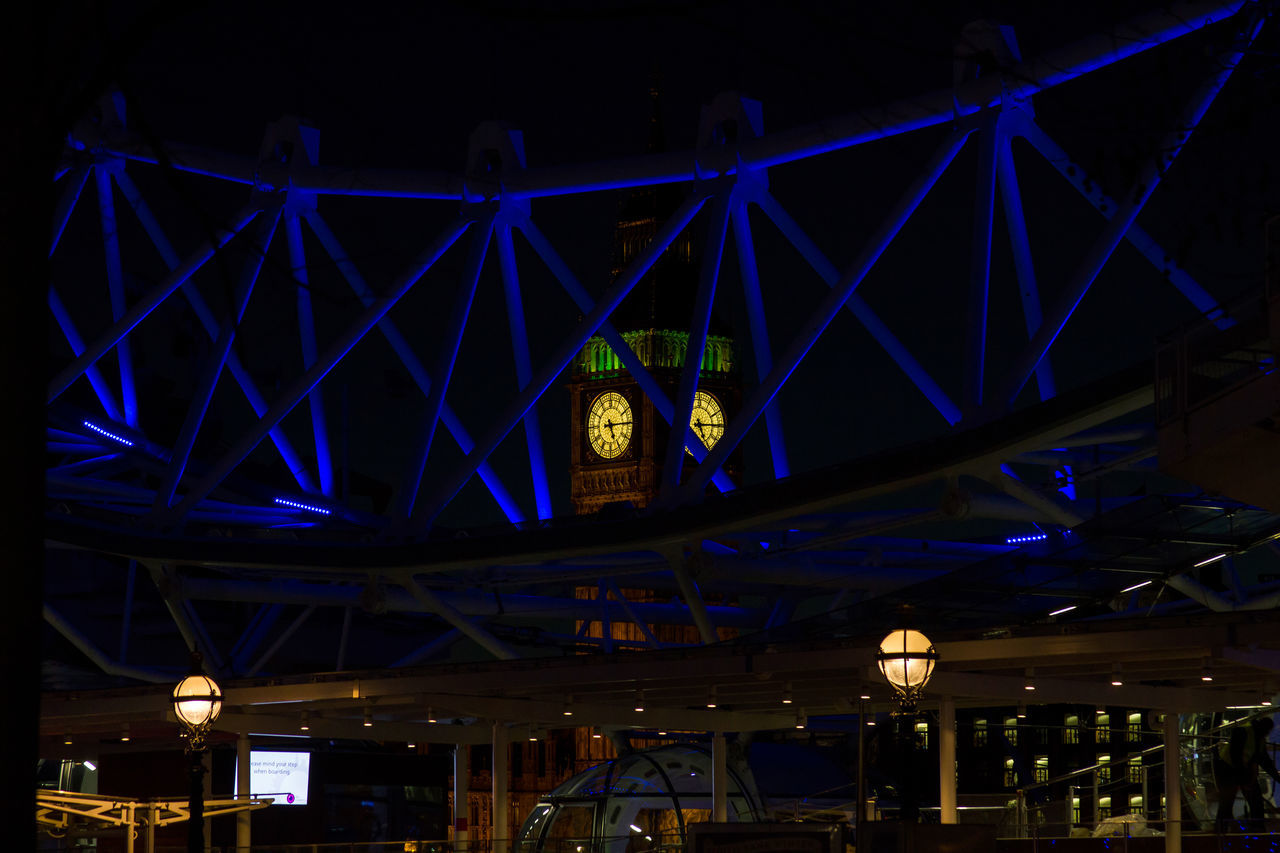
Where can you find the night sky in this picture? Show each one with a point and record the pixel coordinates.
(402, 85)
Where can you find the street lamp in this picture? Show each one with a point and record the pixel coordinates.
(906, 659)
(197, 701)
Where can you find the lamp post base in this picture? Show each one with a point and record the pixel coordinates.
(195, 804)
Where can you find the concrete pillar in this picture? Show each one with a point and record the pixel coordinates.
(242, 792)
(947, 760)
(500, 820)
(719, 780)
(1172, 786)
(461, 787)
(860, 816)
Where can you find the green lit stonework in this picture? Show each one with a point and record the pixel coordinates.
(656, 348)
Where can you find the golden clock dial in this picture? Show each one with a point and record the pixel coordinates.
(707, 418)
(609, 424)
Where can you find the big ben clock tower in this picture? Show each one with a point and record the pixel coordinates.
(618, 438)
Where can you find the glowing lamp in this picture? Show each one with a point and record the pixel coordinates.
(197, 701)
(906, 659)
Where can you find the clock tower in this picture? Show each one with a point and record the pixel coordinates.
(618, 439)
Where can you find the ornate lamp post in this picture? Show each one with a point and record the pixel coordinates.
(197, 701)
(906, 659)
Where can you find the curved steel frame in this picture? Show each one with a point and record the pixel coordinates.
(159, 504)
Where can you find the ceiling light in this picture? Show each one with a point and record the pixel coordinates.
(124, 734)
(567, 710)
(801, 720)
(1116, 680)
(66, 740)
(1029, 683)
(431, 715)
(1136, 586)
(1215, 558)
(595, 733)
(1206, 672)
(1022, 711)
(711, 697)
(368, 720)
(1062, 610)
(786, 693)
(639, 706)
(865, 696)
(89, 764)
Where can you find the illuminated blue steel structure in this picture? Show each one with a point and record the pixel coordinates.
(273, 523)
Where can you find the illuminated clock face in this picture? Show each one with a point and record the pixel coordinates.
(707, 419)
(609, 425)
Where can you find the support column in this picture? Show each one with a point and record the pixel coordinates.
(501, 822)
(461, 786)
(719, 780)
(150, 838)
(861, 815)
(207, 784)
(947, 760)
(130, 827)
(1172, 786)
(242, 793)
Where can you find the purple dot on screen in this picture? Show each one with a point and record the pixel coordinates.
(288, 798)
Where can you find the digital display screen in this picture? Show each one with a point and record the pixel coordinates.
(282, 776)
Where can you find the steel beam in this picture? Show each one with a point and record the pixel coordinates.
(142, 308)
(1145, 184)
(1024, 266)
(450, 614)
(563, 356)
(819, 321)
(980, 263)
(524, 368)
(202, 396)
(1136, 235)
(698, 324)
(661, 402)
(115, 288)
(297, 468)
(299, 388)
(861, 311)
(307, 336)
(92, 372)
(759, 329)
(506, 502)
(450, 343)
(67, 204)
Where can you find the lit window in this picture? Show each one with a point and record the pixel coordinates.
(1075, 809)
(1135, 728)
(1010, 775)
(1104, 767)
(1135, 804)
(1071, 729)
(979, 732)
(922, 735)
(1011, 730)
(1042, 768)
(1104, 807)
(1103, 734)
(1135, 769)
